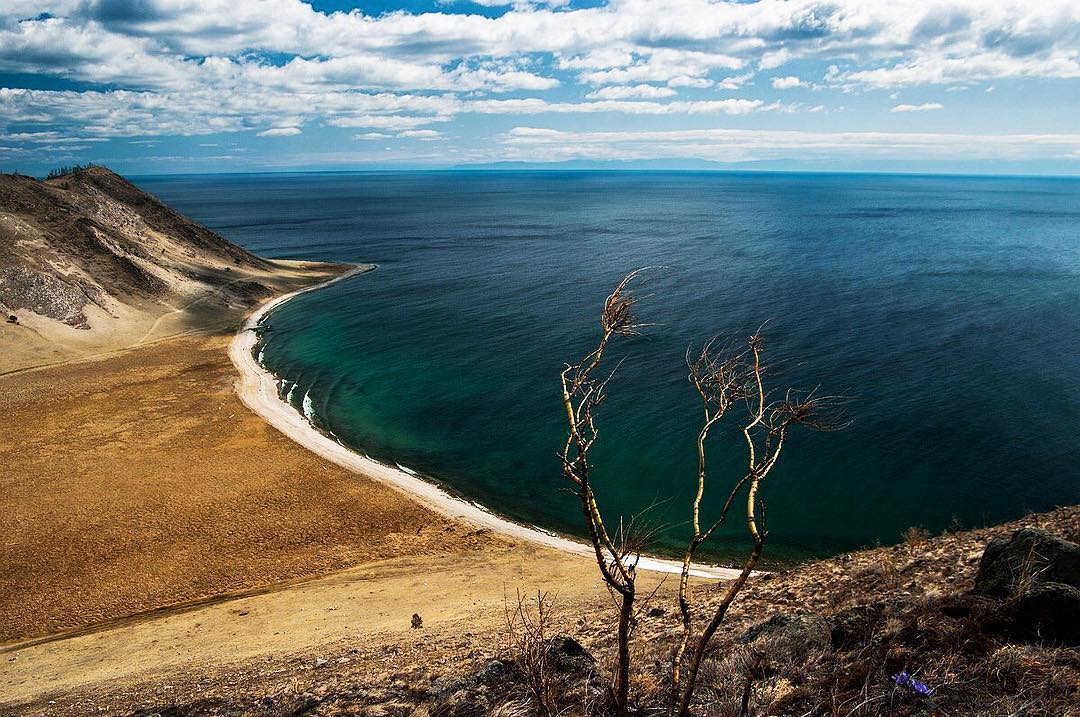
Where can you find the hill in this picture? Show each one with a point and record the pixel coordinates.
(90, 263)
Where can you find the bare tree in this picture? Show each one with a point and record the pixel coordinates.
(582, 393)
(527, 634)
(724, 376)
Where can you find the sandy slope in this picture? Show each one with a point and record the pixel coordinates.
(138, 480)
(89, 262)
(367, 604)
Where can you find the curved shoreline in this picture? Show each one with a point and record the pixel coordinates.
(257, 388)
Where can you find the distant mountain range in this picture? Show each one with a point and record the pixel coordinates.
(964, 167)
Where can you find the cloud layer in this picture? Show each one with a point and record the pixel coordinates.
(278, 68)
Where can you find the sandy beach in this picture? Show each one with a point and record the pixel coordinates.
(136, 480)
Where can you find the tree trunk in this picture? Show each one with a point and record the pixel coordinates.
(620, 688)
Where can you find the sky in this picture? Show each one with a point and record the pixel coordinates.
(179, 86)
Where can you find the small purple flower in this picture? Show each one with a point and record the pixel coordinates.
(905, 680)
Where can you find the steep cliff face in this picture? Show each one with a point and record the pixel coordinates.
(89, 262)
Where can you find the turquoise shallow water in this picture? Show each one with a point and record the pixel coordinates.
(947, 307)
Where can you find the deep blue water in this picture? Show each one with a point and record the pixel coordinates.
(948, 308)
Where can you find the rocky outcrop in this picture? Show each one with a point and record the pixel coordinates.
(566, 655)
(1037, 576)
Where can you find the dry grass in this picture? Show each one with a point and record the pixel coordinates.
(913, 613)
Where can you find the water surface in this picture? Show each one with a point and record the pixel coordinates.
(946, 306)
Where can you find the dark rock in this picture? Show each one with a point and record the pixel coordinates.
(566, 655)
(494, 673)
(789, 638)
(417, 622)
(1048, 613)
(655, 612)
(854, 627)
(444, 687)
(13, 319)
(1030, 556)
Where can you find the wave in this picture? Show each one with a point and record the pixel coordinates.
(307, 407)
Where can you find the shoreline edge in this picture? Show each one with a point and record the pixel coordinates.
(257, 389)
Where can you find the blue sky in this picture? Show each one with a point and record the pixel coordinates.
(160, 86)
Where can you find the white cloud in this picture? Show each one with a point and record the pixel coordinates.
(773, 59)
(390, 122)
(734, 82)
(737, 145)
(280, 132)
(531, 106)
(423, 134)
(925, 107)
(696, 82)
(786, 83)
(622, 92)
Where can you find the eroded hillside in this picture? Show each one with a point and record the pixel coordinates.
(89, 263)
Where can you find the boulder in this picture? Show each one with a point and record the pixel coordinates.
(444, 687)
(1047, 613)
(494, 673)
(470, 702)
(1029, 557)
(566, 655)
